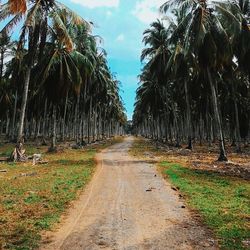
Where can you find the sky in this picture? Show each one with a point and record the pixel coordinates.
(120, 23)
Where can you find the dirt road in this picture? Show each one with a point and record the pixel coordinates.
(117, 212)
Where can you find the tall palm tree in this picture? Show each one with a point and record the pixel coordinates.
(57, 62)
(157, 55)
(204, 36)
(205, 74)
(40, 14)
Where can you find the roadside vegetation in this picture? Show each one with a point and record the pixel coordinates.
(34, 197)
(221, 201)
(194, 86)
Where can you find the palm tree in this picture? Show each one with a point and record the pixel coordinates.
(67, 77)
(6, 46)
(40, 15)
(157, 55)
(204, 74)
(203, 37)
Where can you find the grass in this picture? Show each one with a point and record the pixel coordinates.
(33, 198)
(222, 201)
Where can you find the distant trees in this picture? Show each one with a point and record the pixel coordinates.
(57, 83)
(195, 82)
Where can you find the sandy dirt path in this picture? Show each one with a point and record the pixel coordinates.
(116, 212)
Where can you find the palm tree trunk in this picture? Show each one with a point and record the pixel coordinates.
(188, 113)
(24, 104)
(94, 124)
(64, 116)
(1, 65)
(176, 128)
(82, 128)
(44, 119)
(53, 143)
(76, 120)
(166, 117)
(7, 124)
(222, 156)
(38, 127)
(14, 118)
(237, 124)
(89, 119)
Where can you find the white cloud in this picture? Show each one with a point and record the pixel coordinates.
(98, 3)
(147, 11)
(120, 38)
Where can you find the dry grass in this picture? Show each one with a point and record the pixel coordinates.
(202, 157)
(34, 197)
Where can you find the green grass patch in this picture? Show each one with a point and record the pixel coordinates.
(7, 149)
(222, 201)
(30, 204)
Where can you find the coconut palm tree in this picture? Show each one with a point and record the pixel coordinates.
(204, 75)
(204, 36)
(38, 18)
(58, 64)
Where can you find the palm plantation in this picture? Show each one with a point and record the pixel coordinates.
(57, 83)
(195, 60)
(76, 174)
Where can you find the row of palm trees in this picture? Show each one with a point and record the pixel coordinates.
(57, 83)
(195, 81)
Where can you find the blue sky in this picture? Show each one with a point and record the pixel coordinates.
(120, 23)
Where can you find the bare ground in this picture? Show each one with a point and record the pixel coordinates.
(128, 206)
(204, 158)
